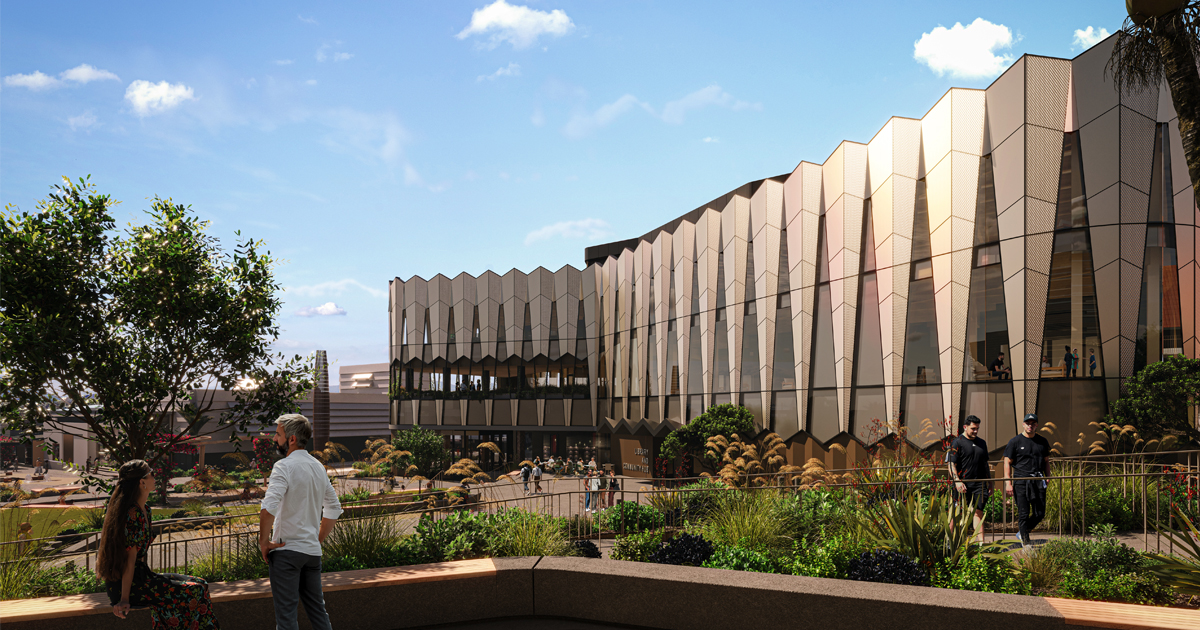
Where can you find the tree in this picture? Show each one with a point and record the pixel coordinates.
(427, 450)
(133, 333)
(1161, 40)
(1157, 398)
(692, 437)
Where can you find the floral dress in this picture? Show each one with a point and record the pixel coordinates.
(177, 602)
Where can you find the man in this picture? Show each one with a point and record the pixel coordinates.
(537, 477)
(1066, 362)
(967, 461)
(1027, 456)
(998, 370)
(1092, 362)
(298, 512)
(594, 490)
(525, 471)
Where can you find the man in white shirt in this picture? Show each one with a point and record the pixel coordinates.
(298, 512)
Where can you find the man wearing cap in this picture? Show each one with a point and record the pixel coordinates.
(967, 461)
(1026, 458)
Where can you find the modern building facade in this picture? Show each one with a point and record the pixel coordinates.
(1018, 249)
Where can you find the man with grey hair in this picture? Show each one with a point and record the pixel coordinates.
(298, 512)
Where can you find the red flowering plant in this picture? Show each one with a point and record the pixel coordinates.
(1179, 488)
(895, 468)
(167, 446)
(265, 456)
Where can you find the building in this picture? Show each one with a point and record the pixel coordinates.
(1044, 218)
(368, 378)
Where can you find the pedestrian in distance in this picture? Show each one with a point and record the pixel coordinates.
(526, 471)
(594, 490)
(1066, 362)
(298, 512)
(1092, 362)
(967, 462)
(614, 484)
(1074, 362)
(176, 601)
(1026, 458)
(537, 478)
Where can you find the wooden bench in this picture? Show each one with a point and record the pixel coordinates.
(1059, 371)
(44, 608)
(1077, 612)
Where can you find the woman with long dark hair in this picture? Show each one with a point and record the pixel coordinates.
(177, 602)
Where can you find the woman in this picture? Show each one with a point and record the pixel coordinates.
(177, 602)
(613, 486)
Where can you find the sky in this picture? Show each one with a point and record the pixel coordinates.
(365, 141)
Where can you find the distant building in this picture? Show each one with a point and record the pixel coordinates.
(366, 378)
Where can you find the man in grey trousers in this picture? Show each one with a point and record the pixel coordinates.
(298, 512)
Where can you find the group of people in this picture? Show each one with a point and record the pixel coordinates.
(600, 490)
(1070, 362)
(1026, 466)
(298, 512)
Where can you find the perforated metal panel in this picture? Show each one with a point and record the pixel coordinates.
(1134, 205)
(1039, 216)
(967, 123)
(1046, 82)
(1131, 293)
(1038, 251)
(1043, 161)
(1144, 102)
(1137, 150)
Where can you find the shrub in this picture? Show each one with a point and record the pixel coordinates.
(819, 510)
(1107, 569)
(701, 496)
(65, 580)
(457, 536)
(723, 419)
(991, 575)
(367, 540)
(828, 557)
(636, 517)
(355, 496)
(521, 533)
(740, 559)
(1105, 585)
(685, 549)
(240, 560)
(342, 563)
(753, 520)
(637, 547)
(586, 549)
(887, 567)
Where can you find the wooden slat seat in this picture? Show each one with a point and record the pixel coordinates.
(97, 603)
(1077, 612)
(1059, 371)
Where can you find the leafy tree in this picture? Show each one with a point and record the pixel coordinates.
(1160, 40)
(131, 334)
(723, 420)
(427, 450)
(1157, 398)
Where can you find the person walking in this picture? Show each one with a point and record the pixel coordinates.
(1026, 455)
(1092, 362)
(525, 472)
(613, 485)
(298, 512)
(176, 601)
(594, 490)
(537, 477)
(966, 461)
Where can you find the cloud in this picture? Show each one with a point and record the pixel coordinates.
(35, 81)
(287, 343)
(511, 70)
(710, 140)
(675, 111)
(310, 82)
(335, 287)
(284, 62)
(324, 310)
(372, 137)
(515, 24)
(82, 121)
(966, 52)
(326, 52)
(153, 98)
(588, 229)
(83, 73)
(1086, 38)
(538, 118)
(582, 124)
(342, 56)
(306, 20)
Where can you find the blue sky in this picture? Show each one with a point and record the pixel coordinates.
(365, 141)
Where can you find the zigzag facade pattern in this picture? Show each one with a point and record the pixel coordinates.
(1048, 198)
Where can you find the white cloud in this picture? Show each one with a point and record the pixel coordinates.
(515, 24)
(342, 56)
(284, 62)
(710, 140)
(511, 70)
(83, 73)
(967, 52)
(152, 98)
(35, 81)
(310, 82)
(371, 137)
(326, 52)
(324, 310)
(675, 111)
(335, 287)
(287, 343)
(582, 124)
(588, 229)
(538, 118)
(82, 121)
(1086, 38)
(306, 20)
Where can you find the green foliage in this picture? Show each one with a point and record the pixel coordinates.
(113, 328)
(819, 511)
(827, 557)
(65, 580)
(457, 536)
(1111, 586)
(427, 450)
(635, 516)
(1157, 399)
(637, 547)
(356, 495)
(723, 420)
(1181, 571)
(990, 575)
(330, 564)
(517, 532)
(754, 520)
(1103, 568)
(239, 558)
(740, 559)
(932, 531)
(368, 540)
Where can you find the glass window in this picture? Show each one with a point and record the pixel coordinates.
(922, 269)
(987, 255)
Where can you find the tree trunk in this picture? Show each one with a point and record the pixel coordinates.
(1183, 77)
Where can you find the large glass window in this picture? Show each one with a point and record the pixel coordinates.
(751, 380)
(721, 334)
(823, 421)
(1160, 324)
(921, 407)
(869, 415)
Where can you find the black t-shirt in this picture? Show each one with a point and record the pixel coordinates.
(1028, 455)
(970, 458)
(997, 365)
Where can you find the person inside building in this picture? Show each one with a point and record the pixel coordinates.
(967, 463)
(1092, 362)
(175, 601)
(1026, 465)
(998, 370)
